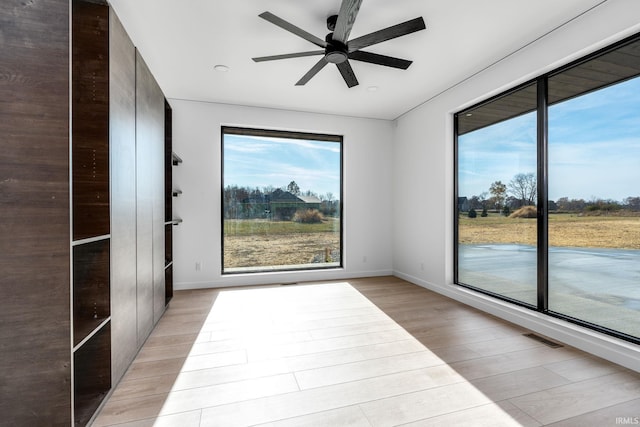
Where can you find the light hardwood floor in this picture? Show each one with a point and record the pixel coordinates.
(365, 352)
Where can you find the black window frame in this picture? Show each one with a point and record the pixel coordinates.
(542, 248)
(274, 133)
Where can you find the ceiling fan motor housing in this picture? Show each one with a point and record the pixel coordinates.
(335, 52)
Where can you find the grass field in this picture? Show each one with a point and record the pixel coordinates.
(264, 243)
(568, 230)
(250, 227)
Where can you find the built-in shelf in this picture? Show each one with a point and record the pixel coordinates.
(168, 280)
(91, 240)
(92, 374)
(170, 159)
(91, 334)
(90, 124)
(91, 290)
(168, 245)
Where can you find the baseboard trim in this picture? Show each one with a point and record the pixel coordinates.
(610, 348)
(273, 278)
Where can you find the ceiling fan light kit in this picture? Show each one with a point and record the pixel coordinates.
(338, 49)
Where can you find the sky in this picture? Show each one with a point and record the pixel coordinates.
(594, 148)
(252, 161)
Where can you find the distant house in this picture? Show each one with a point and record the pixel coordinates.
(283, 204)
(311, 202)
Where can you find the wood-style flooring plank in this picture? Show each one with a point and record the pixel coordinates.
(518, 383)
(366, 369)
(319, 346)
(502, 414)
(622, 414)
(351, 416)
(579, 398)
(414, 406)
(183, 419)
(193, 399)
(583, 368)
(512, 361)
(320, 399)
(353, 354)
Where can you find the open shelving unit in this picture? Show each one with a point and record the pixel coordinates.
(170, 159)
(91, 311)
(91, 290)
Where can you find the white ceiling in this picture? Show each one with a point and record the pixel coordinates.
(182, 40)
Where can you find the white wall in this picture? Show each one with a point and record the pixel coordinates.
(367, 184)
(423, 164)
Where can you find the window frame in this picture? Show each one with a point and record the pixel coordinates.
(275, 133)
(542, 109)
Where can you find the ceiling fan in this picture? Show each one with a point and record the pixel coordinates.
(338, 49)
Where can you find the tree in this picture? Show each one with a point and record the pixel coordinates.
(482, 199)
(632, 203)
(293, 188)
(498, 193)
(573, 205)
(524, 188)
(268, 189)
(475, 202)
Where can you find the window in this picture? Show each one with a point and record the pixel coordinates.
(497, 235)
(548, 203)
(594, 233)
(281, 201)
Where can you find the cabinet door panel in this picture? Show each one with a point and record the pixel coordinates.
(123, 199)
(145, 85)
(35, 368)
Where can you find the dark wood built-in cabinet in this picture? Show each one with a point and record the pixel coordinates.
(86, 257)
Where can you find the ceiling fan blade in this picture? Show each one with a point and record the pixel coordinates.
(312, 72)
(346, 18)
(347, 74)
(268, 16)
(388, 33)
(288, 55)
(374, 58)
